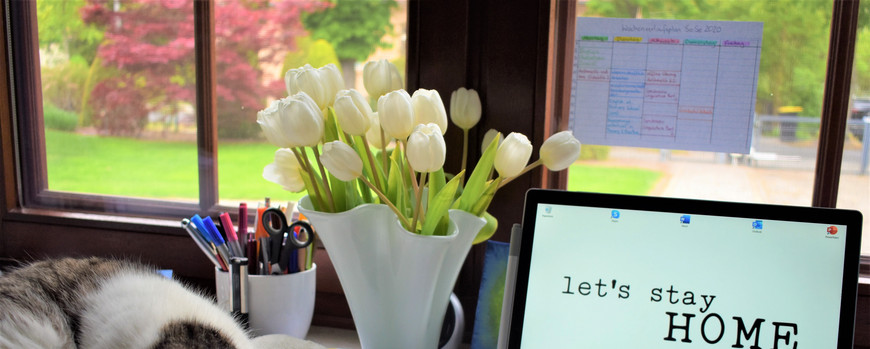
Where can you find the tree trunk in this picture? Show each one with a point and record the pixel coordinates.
(348, 72)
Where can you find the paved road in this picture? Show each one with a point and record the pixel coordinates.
(713, 177)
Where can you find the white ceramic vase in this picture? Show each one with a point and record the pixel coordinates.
(397, 283)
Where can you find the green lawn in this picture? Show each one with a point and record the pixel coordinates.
(168, 170)
(611, 180)
(155, 169)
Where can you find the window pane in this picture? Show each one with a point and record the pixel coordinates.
(780, 166)
(855, 173)
(118, 97)
(256, 46)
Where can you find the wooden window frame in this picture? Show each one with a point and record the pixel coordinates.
(452, 43)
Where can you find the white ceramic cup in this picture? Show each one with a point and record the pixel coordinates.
(277, 304)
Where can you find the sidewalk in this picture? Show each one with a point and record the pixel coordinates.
(701, 176)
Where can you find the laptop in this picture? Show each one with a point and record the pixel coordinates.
(615, 271)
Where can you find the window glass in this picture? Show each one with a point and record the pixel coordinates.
(118, 97)
(854, 191)
(256, 46)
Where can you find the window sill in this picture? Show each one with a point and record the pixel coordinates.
(140, 224)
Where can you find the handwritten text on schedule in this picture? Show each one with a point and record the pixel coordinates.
(665, 83)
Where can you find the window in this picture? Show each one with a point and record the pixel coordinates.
(119, 85)
(781, 167)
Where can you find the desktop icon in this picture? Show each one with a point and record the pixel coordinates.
(685, 219)
(757, 225)
(832, 230)
(548, 209)
(614, 214)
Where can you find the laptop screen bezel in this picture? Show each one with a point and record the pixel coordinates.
(850, 218)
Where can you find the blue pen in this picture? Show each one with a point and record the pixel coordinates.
(201, 227)
(218, 240)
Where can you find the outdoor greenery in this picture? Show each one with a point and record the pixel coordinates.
(611, 180)
(59, 119)
(103, 165)
(795, 42)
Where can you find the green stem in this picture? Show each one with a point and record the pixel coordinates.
(386, 201)
(384, 153)
(526, 169)
(371, 161)
(325, 176)
(419, 194)
(464, 148)
(408, 164)
(304, 160)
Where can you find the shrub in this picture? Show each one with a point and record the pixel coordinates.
(594, 152)
(59, 119)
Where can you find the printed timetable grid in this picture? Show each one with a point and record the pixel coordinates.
(665, 84)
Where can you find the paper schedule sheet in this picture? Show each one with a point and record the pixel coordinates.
(672, 84)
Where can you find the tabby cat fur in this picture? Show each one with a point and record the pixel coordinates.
(108, 303)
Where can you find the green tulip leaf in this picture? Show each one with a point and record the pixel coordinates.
(488, 230)
(476, 183)
(439, 205)
(339, 195)
(480, 206)
(436, 182)
(330, 127)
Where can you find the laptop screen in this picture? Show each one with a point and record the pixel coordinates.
(612, 271)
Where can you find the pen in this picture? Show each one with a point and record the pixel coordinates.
(243, 226)
(200, 226)
(200, 241)
(232, 239)
(263, 239)
(219, 243)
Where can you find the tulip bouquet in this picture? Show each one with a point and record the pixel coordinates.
(334, 145)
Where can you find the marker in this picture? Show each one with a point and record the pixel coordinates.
(200, 241)
(263, 238)
(219, 243)
(243, 226)
(200, 226)
(232, 239)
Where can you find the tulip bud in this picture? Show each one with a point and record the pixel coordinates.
(465, 108)
(560, 151)
(426, 148)
(285, 171)
(374, 133)
(488, 137)
(513, 155)
(320, 84)
(381, 77)
(397, 116)
(294, 121)
(341, 161)
(428, 108)
(352, 111)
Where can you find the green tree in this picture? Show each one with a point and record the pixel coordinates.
(354, 28)
(61, 24)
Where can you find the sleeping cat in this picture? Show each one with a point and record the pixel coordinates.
(105, 303)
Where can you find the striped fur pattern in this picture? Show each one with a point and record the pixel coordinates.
(105, 303)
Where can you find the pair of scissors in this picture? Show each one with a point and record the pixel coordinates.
(284, 239)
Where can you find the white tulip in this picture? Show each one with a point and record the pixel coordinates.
(374, 133)
(320, 84)
(285, 171)
(341, 161)
(294, 121)
(560, 151)
(465, 108)
(396, 114)
(488, 137)
(513, 155)
(426, 148)
(353, 112)
(428, 108)
(381, 77)
(332, 80)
